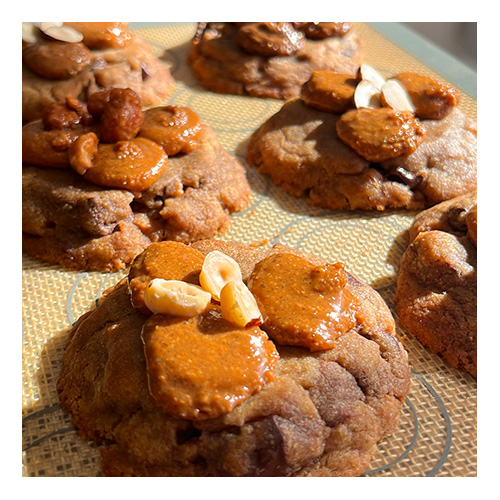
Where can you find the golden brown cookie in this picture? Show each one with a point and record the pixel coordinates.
(133, 380)
(436, 295)
(108, 56)
(270, 59)
(91, 204)
(363, 156)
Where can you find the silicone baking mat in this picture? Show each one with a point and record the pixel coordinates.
(437, 433)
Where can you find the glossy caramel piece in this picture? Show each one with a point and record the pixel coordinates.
(48, 148)
(133, 165)
(56, 60)
(380, 134)
(302, 304)
(103, 35)
(432, 99)
(203, 367)
(269, 39)
(329, 91)
(174, 128)
(169, 260)
(319, 31)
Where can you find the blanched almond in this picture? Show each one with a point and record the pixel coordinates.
(63, 34)
(396, 96)
(176, 298)
(366, 95)
(30, 33)
(218, 269)
(369, 73)
(238, 305)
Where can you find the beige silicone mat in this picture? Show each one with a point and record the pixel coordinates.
(437, 434)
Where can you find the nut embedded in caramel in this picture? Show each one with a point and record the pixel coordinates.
(120, 113)
(380, 134)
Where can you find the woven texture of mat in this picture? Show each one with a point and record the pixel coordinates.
(438, 429)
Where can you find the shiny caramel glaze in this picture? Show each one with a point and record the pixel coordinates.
(133, 165)
(269, 39)
(48, 148)
(166, 259)
(56, 60)
(318, 31)
(102, 35)
(174, 128)
(329, 91)
(380, 134)
(433, 100)
(203, 367)
(302, 304)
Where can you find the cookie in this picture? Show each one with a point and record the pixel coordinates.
(106, 55)
(436, 296)
(270, 59)
(89, 204)
(343, 157)
(164, 394)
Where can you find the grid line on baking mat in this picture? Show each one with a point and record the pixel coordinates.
(437, 432)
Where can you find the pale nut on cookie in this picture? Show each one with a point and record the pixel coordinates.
(176, 298)
(218, 269)
(238, 305)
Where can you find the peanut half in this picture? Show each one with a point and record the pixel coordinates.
(176, 298)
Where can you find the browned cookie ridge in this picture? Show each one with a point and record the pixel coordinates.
(436, 296)
(311, 413)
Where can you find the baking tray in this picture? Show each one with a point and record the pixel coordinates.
(437, 435)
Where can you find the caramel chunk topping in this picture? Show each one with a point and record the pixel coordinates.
(174, 128)
(432, 99)
(168, 260)
(302, 304)
(380, 134)
(318, 31)
(133, 165)
(270, 39)
(56, 60)
(329, 91)
(103, 35)
(203, 367)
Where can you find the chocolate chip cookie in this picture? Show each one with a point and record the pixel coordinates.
(342, 152)
(436, 293)
(270, 59)
(165, 406)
